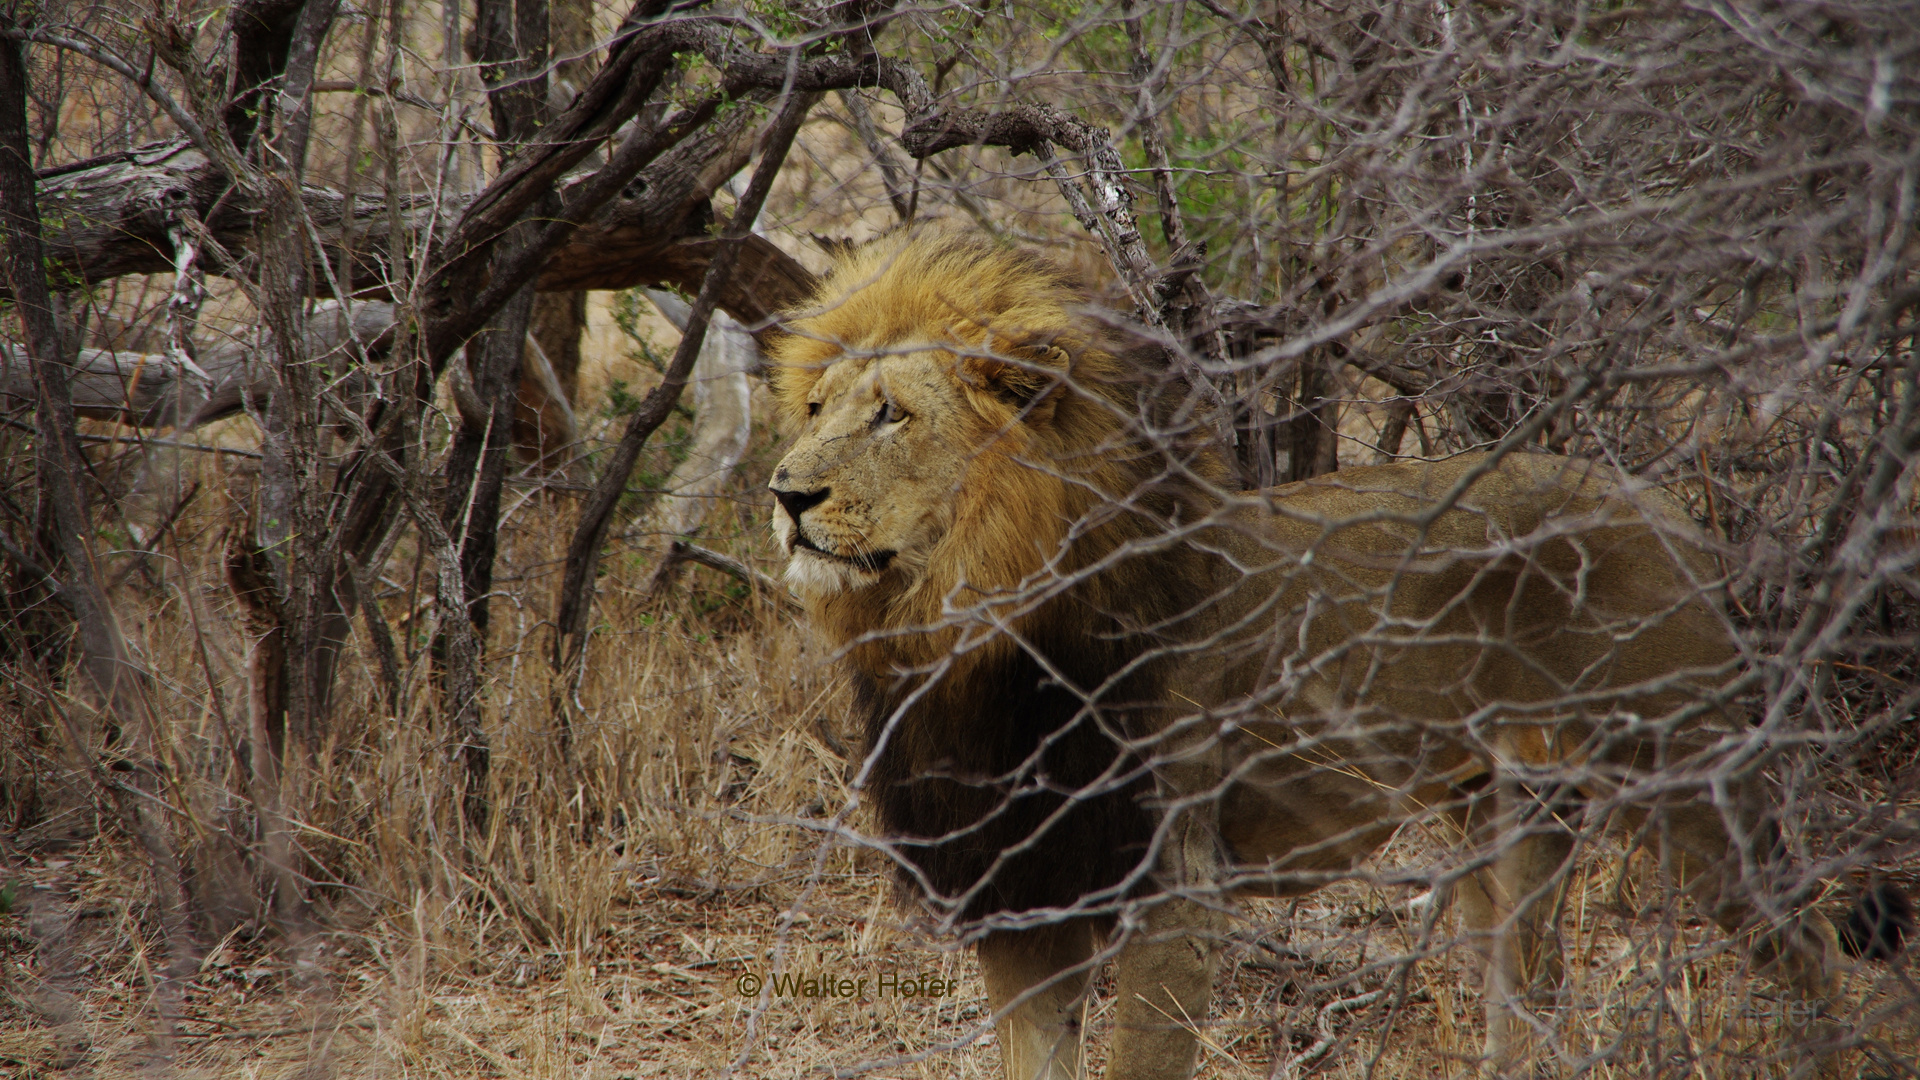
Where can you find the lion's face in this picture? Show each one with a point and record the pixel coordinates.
(870, 485)
(945, 433)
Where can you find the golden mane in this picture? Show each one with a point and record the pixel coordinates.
(939, 287)
(1056, 391)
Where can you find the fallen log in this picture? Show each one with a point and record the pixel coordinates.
(115, 215)
(111, 216)
(152, 390)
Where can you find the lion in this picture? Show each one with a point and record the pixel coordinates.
(1100, 685)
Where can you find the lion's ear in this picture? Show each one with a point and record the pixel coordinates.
(1027, 378)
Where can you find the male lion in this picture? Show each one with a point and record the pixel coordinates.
(1097, 681)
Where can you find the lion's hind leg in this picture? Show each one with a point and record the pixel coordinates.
(1881, 921)
(1734, 883)
(1511, 908)
(1037, 985)
(1730, 862)
(1163, 987)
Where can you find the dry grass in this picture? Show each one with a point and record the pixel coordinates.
(600, 927)
(431, 993)
(628, 880)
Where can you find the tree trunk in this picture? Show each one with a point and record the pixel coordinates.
(722, 422)
(110, 671)
(509, 40)
(1313, 444)
(544, 428)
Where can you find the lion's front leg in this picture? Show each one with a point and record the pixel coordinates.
(1037, 984)
(1163, 973)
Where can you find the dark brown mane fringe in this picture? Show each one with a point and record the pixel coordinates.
(964, 776)
(981, 762)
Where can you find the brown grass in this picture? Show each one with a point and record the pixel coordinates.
(600, 927)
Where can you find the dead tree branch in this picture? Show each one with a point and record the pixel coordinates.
(583, 553)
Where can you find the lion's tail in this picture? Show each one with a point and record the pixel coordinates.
(1880, 922)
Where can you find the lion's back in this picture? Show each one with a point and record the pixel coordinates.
(1428, 587)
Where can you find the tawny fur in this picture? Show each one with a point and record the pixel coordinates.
(999, 509)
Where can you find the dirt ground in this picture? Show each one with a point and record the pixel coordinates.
(689, 984)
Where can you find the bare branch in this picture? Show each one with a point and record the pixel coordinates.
(105, 57)
(583, 553)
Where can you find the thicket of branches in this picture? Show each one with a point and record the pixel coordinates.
(1676, 238)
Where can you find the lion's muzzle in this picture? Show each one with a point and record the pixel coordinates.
(797, 541)
(796, 503)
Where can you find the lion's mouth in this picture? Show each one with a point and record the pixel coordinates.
(873, 562)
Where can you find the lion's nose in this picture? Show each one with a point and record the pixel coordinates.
(797, 502)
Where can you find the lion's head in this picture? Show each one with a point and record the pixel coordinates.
(960, 407)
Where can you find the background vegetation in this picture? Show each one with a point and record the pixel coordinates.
(357, 715)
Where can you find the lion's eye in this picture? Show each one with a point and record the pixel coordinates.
(889, 414)
(813, 408)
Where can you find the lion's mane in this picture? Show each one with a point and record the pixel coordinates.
(997, 685)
